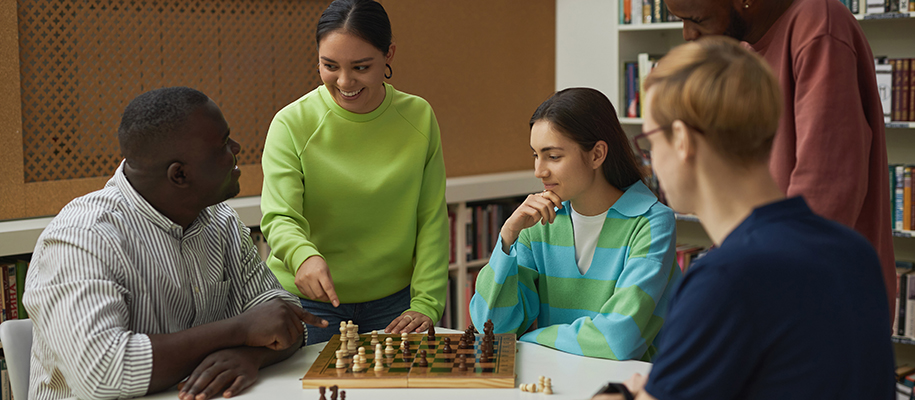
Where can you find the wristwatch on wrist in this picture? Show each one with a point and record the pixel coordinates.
(616, 388)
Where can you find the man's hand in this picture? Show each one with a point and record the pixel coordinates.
(314, 281)
(275, 324)
(636, 383)
(410, 321)
(236, 367)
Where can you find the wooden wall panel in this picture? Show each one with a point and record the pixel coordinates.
(484, 67)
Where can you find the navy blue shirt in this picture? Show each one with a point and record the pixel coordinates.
(792, 305)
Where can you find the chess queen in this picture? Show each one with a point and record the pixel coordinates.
(591, 258)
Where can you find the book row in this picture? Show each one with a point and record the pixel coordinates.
(12, 282)
(637, 12)
(482, 227)
(904, 323)
(901, 196)
(896, 82)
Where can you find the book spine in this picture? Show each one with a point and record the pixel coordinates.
(897, 88)
(911, 198)
(904, 99)
(903, 5)
(892, 196)
(900, 192)
(468, 236)
(5, 381)
(911, 93)
(636, 6)
(903, 286)
(884, 72)
(656, 6)
(627, 11)
(631, 90)
(13, 295)
(875, 6)
(7, 311)
(646, 11)
(22, 266)
(895, 319)
(855, 6)
(907, 198)
(910, 305)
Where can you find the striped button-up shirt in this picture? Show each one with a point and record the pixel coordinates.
(110, 270)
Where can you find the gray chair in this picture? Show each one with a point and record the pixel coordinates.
(16, 337)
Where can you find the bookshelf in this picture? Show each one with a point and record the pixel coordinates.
(585, 26)
(20, 236)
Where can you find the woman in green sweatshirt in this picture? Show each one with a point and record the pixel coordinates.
(354, 187)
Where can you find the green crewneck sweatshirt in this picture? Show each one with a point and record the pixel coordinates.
(364, 191)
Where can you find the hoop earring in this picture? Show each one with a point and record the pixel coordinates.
(390, 72)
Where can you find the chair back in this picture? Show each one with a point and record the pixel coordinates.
(16, 337)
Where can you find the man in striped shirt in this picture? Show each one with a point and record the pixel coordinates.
(153, 279)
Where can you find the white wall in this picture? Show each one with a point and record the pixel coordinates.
(586, 38)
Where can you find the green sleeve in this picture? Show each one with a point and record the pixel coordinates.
(283, 223)
(430, 274)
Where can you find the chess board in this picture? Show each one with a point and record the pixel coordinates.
(442, 372)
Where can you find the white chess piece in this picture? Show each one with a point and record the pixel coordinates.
(389, 350)
(379, 365)
(340, 362)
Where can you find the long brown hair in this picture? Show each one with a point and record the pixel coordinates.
(586, 116)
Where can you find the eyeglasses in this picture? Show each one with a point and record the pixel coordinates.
(643, 145)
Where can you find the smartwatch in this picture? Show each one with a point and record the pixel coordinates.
(615, 388)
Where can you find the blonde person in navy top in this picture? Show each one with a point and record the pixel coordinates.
(354, 187)
(591, 258)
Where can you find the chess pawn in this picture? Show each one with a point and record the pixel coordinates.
(447, 347)
(404, 338)
(548, 386)
(422, 362)
(374, 338)
(340, 362)
(358, 363)
(406, 351)
(389, 349)
(362, 352)
(379, 364)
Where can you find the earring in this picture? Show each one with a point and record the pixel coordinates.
(390, 72)
(746, 5)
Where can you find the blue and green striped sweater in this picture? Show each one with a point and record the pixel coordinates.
(614, 310)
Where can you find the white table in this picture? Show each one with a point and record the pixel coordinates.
(573, 377)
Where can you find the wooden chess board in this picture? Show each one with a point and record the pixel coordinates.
(442, 372)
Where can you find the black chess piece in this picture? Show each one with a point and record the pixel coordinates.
(431, 335)
(422, 361)
(447, 348)
(333, 392)
(321, 390)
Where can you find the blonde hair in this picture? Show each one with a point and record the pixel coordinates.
(722, 90)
